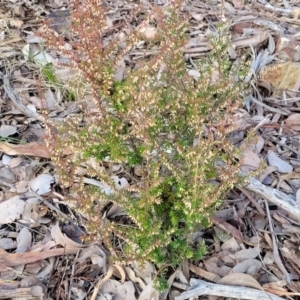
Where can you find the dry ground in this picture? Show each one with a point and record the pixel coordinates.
(254, 241)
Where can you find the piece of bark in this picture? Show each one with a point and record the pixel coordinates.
(200, 288)
(276, 197)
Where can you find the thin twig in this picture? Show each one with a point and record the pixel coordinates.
(49, 205)
(72, 274)
(275, 247)
(276, 197)
(252, 200)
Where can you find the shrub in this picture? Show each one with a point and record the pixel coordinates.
(166, 129)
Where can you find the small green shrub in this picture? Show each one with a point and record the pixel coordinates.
(159, 120)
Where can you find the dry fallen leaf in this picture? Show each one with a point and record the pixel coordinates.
(15, 259)
(24, 240)
(251, 161)
(205, 274)
(30, 149)
(62, 239)
(149, 293)
(253, 40)
(258, 144)
(240, 279)
(276, 161)
(231, 245)
(293, 121)
(120, 291)
(11, 209)
(245, 254)
(133, 278)
(227, 227)
(7, 130)
(146, 270)
(249, 266)
(115, 211)
(41, 184)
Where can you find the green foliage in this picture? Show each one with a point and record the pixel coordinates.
(49, 74)
(161, 284)
(50, 78)
(160, 120)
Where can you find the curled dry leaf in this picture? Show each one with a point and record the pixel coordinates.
(133, 278)
(62, 239)
(103, 187)
(11, 209)
(106, 278)
(145, 270)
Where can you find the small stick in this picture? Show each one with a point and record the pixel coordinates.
(49, 205)
(252, 200)
(276, 197)
(275, 247)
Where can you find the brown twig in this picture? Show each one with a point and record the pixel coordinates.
(275, 248)
(253, 201)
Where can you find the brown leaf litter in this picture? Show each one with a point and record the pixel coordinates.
(253, 246)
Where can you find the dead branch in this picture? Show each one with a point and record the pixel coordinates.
(276, 197)
(200, 288)
(29, 293)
